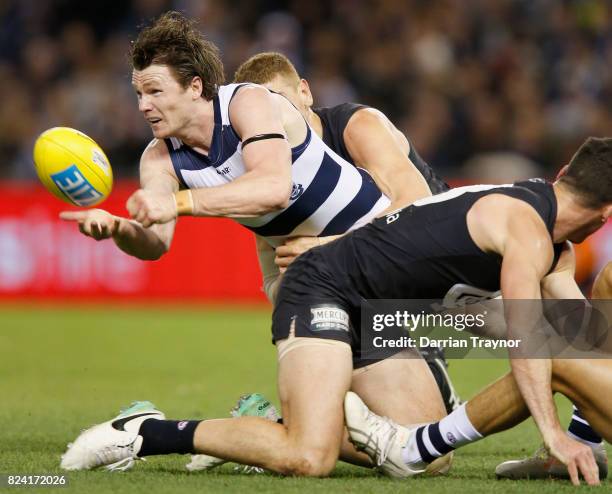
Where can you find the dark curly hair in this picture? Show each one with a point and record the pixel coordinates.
(174, 40)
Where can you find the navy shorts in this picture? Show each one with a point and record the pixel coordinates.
(309, 301)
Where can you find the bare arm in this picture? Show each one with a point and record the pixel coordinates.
(156, 177)
(376, 145)
(151, 243)
(560, 284)
(270, 273)
(527, 254)
(263, 188)
(602, 287)
(266, 185)
(515, 231)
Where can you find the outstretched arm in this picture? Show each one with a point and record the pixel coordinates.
(156, 177)
(527, 255)
(515, 231)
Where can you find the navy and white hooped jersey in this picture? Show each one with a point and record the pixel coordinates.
(329, 196)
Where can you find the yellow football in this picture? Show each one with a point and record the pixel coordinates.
(73, 167)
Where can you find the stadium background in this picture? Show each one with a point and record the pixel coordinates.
(488, 91)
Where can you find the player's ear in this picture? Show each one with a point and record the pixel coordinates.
(196, 86)
(562, 172)
(305, 94)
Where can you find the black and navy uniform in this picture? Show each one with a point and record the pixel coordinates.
(420, 252)
(334, 120)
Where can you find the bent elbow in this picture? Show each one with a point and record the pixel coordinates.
(280, 196)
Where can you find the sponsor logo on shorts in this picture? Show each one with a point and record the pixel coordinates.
(328, 318)
(181, 425)
(451, 438)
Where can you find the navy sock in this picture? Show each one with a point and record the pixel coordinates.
(581, 429)
(164, 437)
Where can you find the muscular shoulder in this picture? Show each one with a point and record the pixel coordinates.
(370, 124)
(496, 220)
(249, 94)
(249, 101)
(155, 162)
(255, 110)
(156, 151)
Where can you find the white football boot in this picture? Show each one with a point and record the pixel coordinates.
(114, 444)
(379, 437)
(542, 465)
(203, 463)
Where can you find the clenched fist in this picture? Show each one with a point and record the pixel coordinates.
(95, 223)
(149, 207)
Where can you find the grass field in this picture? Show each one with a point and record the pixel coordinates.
(63, 370)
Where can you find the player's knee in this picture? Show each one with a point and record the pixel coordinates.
(311, 462)
(440, 466)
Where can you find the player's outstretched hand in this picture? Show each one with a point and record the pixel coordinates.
(149, 207)
(578, 457)
(293, 247)
(95, 223)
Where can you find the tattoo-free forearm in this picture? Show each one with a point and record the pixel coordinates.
(247, 196)
(137, 241)
(533, 377)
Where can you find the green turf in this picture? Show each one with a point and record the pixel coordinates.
(61, 371)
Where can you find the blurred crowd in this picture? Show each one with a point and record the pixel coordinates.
(481, 87)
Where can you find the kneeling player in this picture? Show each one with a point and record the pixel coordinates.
(508, 237)
(364, 137)
(542, 464)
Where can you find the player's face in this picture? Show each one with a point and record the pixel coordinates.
(298, 93)
(164, 103)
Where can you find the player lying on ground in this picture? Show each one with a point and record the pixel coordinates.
(492, 237)
(242, 152)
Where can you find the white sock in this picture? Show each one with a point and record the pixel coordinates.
(434, 440)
